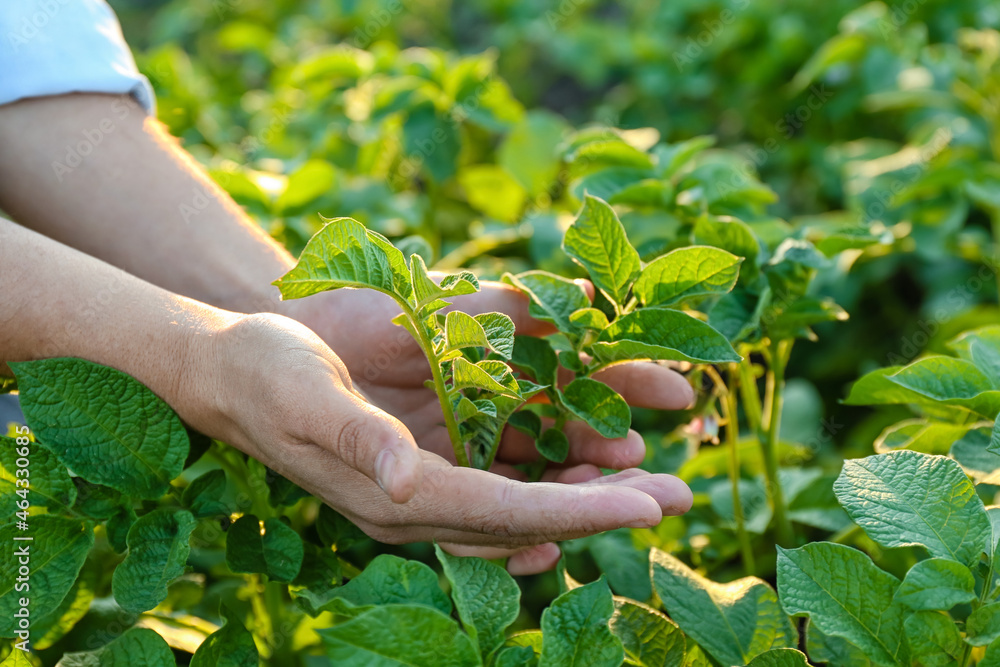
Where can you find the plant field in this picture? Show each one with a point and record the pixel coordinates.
(795, 205)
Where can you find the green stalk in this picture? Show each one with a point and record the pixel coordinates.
(731, 414)
(994, 259)
(750, 394)
(779, 352)
(966, 654)
(262, 625)
(281, 646)
(439, 384)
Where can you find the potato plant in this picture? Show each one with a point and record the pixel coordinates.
(473, 359)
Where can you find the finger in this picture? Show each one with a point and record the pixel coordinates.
(585, 446)
(671, 493)
(575, 475)
(475, 501)
(498, 297)
(649, 385)
(378, 445)
(534, 560)
(531, 560)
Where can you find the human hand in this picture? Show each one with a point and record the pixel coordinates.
(390, 370)
(279, 394)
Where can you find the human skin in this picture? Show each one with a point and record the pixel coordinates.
(300, 384)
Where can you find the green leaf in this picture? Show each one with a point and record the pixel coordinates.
(982, 347)
(733, 236)
(515, 656)
(426, 290)
(96, 501)
(672, 157)
(492, 330)
(553, 298)
(50, 628)
(733, 622)
(687, 273)
(934, 639)
(904, 498)
(276, 551)
(492, 190)
(18, 658)
(844, 595)
(205, 496)
(553, 445)
(875, 388)
(337, 531)
(117, 528)
(535, 357)
(529, 151)
(833, 650)
(662, 334)
(391, 580)
(589, 318)
(157, 552)
(489, 375)
(318, 577)
(229, 646)
(599, 405)
(399, 635)
(576, 631)
(306, 184)
(983, 625)
(950, 381)
(137, 647)
(102, 424)
(50, 483)
(598, 242)
(487, 599)
(920, 435)
(345, 254)
(650, 639)
(499, 330)
(780, 657)
(609, 153)
(56, 552)
(994, 446)
(936, 583)
(431, 140)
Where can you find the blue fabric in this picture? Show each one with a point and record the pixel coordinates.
(52, 47)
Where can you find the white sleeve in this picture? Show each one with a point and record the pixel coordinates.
(50, 47)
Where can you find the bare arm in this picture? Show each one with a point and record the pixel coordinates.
(94, 172)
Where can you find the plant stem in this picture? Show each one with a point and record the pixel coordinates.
(730, 413)
(751, 396)
(439, 385)
(779, 352)
(261, 620)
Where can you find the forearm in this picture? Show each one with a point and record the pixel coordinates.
(94, 172)
(60, 302)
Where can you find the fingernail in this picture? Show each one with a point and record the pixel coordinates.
(385, 468)
(644, 523)
(692, 398)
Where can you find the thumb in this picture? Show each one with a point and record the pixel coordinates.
(377, 444)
